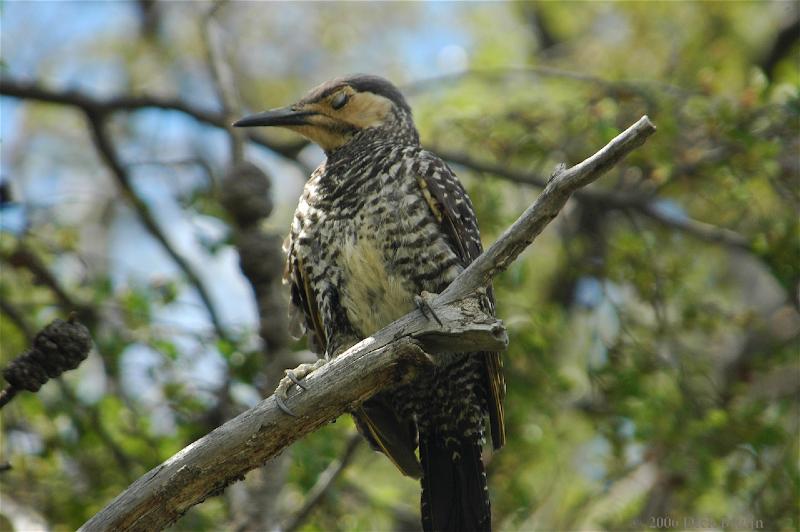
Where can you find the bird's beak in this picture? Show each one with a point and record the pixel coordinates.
(285, 116)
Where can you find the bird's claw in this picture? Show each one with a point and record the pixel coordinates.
(423, 302)
(293, 378)
(282, 405)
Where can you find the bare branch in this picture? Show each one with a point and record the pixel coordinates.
(387, 358)
(781, 47)
(23, 257)
(98, 106)
(554, 196)
(223, 79)
(16, 317)
(645, 205)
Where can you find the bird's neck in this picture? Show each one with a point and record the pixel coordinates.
(397, 132)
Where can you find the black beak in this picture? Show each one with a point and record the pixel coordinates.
(285, 116)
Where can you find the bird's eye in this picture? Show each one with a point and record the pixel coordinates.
(339, 100)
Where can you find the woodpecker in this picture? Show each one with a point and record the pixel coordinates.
(380, 222)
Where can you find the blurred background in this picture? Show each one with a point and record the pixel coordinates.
(653, 369)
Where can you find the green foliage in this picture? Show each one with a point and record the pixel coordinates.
(652, 370)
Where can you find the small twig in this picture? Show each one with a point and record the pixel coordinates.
(16, 317)
(781, 47)
(326, 479)
(23, 257)
(223, 79)
(7, 395)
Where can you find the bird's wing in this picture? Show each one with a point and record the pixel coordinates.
(374, 419)
(452, 207)
(303, 311)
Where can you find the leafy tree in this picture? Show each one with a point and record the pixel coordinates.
(653, 368)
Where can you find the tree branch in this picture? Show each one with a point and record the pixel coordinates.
(559, 188)
(104, 147)
(87, 103)
(389, 357)
(642, 204)
(781, 47)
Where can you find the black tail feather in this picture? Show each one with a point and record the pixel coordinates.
(455, 496)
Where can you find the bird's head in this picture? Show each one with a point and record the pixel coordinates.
(340, 110)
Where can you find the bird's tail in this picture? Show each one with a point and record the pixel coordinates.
(455, 495)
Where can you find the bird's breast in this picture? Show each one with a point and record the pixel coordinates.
(372, 294)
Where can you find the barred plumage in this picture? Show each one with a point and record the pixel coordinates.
(379, 222)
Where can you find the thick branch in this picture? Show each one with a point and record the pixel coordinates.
(249, 440)
(389, 357)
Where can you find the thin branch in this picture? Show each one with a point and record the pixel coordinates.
(223, 79)
(549, 203)
(89, 419)
(642, 204)
(787, 37)
(326, 479)
(7, 394)
(389, 357)
(102, 142)
(16, 317)
(24, 257)
(100, 106)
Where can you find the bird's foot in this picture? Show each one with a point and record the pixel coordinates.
(424, 303)
(294, 377)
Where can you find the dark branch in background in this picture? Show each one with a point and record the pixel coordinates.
(326, 479)
(223, 79)
(532, 12)
(100, 106)
(101, 138)
(23, 257)
(646, 205)
(245, 193)
(17, 319)
(387, 358)
(781, 47)
(87, 420)
(57, 348)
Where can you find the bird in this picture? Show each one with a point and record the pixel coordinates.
(381, 225)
